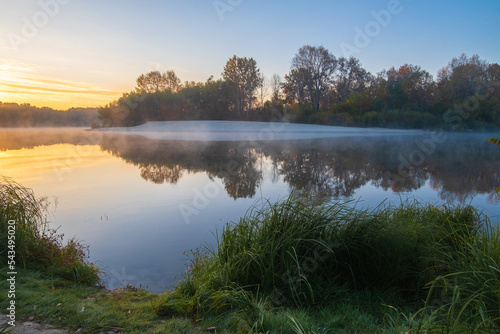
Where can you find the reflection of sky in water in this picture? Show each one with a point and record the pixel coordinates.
(135, 227)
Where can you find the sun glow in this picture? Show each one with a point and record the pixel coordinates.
(22, 85)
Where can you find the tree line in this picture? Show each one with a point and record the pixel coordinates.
(322, 89)
(26, 115)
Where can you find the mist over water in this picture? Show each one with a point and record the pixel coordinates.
(140, 203)
(231, 131)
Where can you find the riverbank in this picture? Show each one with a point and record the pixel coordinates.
(247, 131)
(44, 301)
(47, 304)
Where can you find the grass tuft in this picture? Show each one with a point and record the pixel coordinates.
(348, 267)
(467, 299)
(35, 245)
(301, 253)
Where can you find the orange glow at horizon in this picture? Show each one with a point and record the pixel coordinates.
(21, 85)
(33, 163)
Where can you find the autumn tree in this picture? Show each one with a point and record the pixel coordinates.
(296, 85)
(216, 99)
(493, 81)
(151, 82)
(409, 87)
(377, 90)
(245, 76)
(263, 89)
(155, 81)
(463, 78)
(313, 68)
(275, 88)
(173, 81)
(351, 78)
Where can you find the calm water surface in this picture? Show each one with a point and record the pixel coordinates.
(140, 203)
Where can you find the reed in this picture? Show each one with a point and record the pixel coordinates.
(302, 253)
(36, 244)
(467, 299)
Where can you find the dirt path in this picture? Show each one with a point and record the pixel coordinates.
(31, 327)
(28, 327)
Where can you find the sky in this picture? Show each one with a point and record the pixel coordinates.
(87, 53)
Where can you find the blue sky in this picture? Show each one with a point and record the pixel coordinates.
(87, 52)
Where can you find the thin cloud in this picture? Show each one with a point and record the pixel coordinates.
(19, 84)
(24, 88)
(16, 81)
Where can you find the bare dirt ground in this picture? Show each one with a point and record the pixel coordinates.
(30, 327)
(33, 327)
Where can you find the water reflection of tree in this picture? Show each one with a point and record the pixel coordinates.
(458, 169)
(336, 168)
(460, 176)
(324, 174)
(238, 170)
(242, 185)
(167, 161)
(161, 174)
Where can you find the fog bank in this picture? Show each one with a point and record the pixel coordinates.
(247, 131)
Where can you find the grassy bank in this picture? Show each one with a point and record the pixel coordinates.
(413, 267)
(289, 267)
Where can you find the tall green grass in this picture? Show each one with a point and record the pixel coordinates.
(37, 245)
(283, 249)
(297, 254)
(467, 299)
(302, 252)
